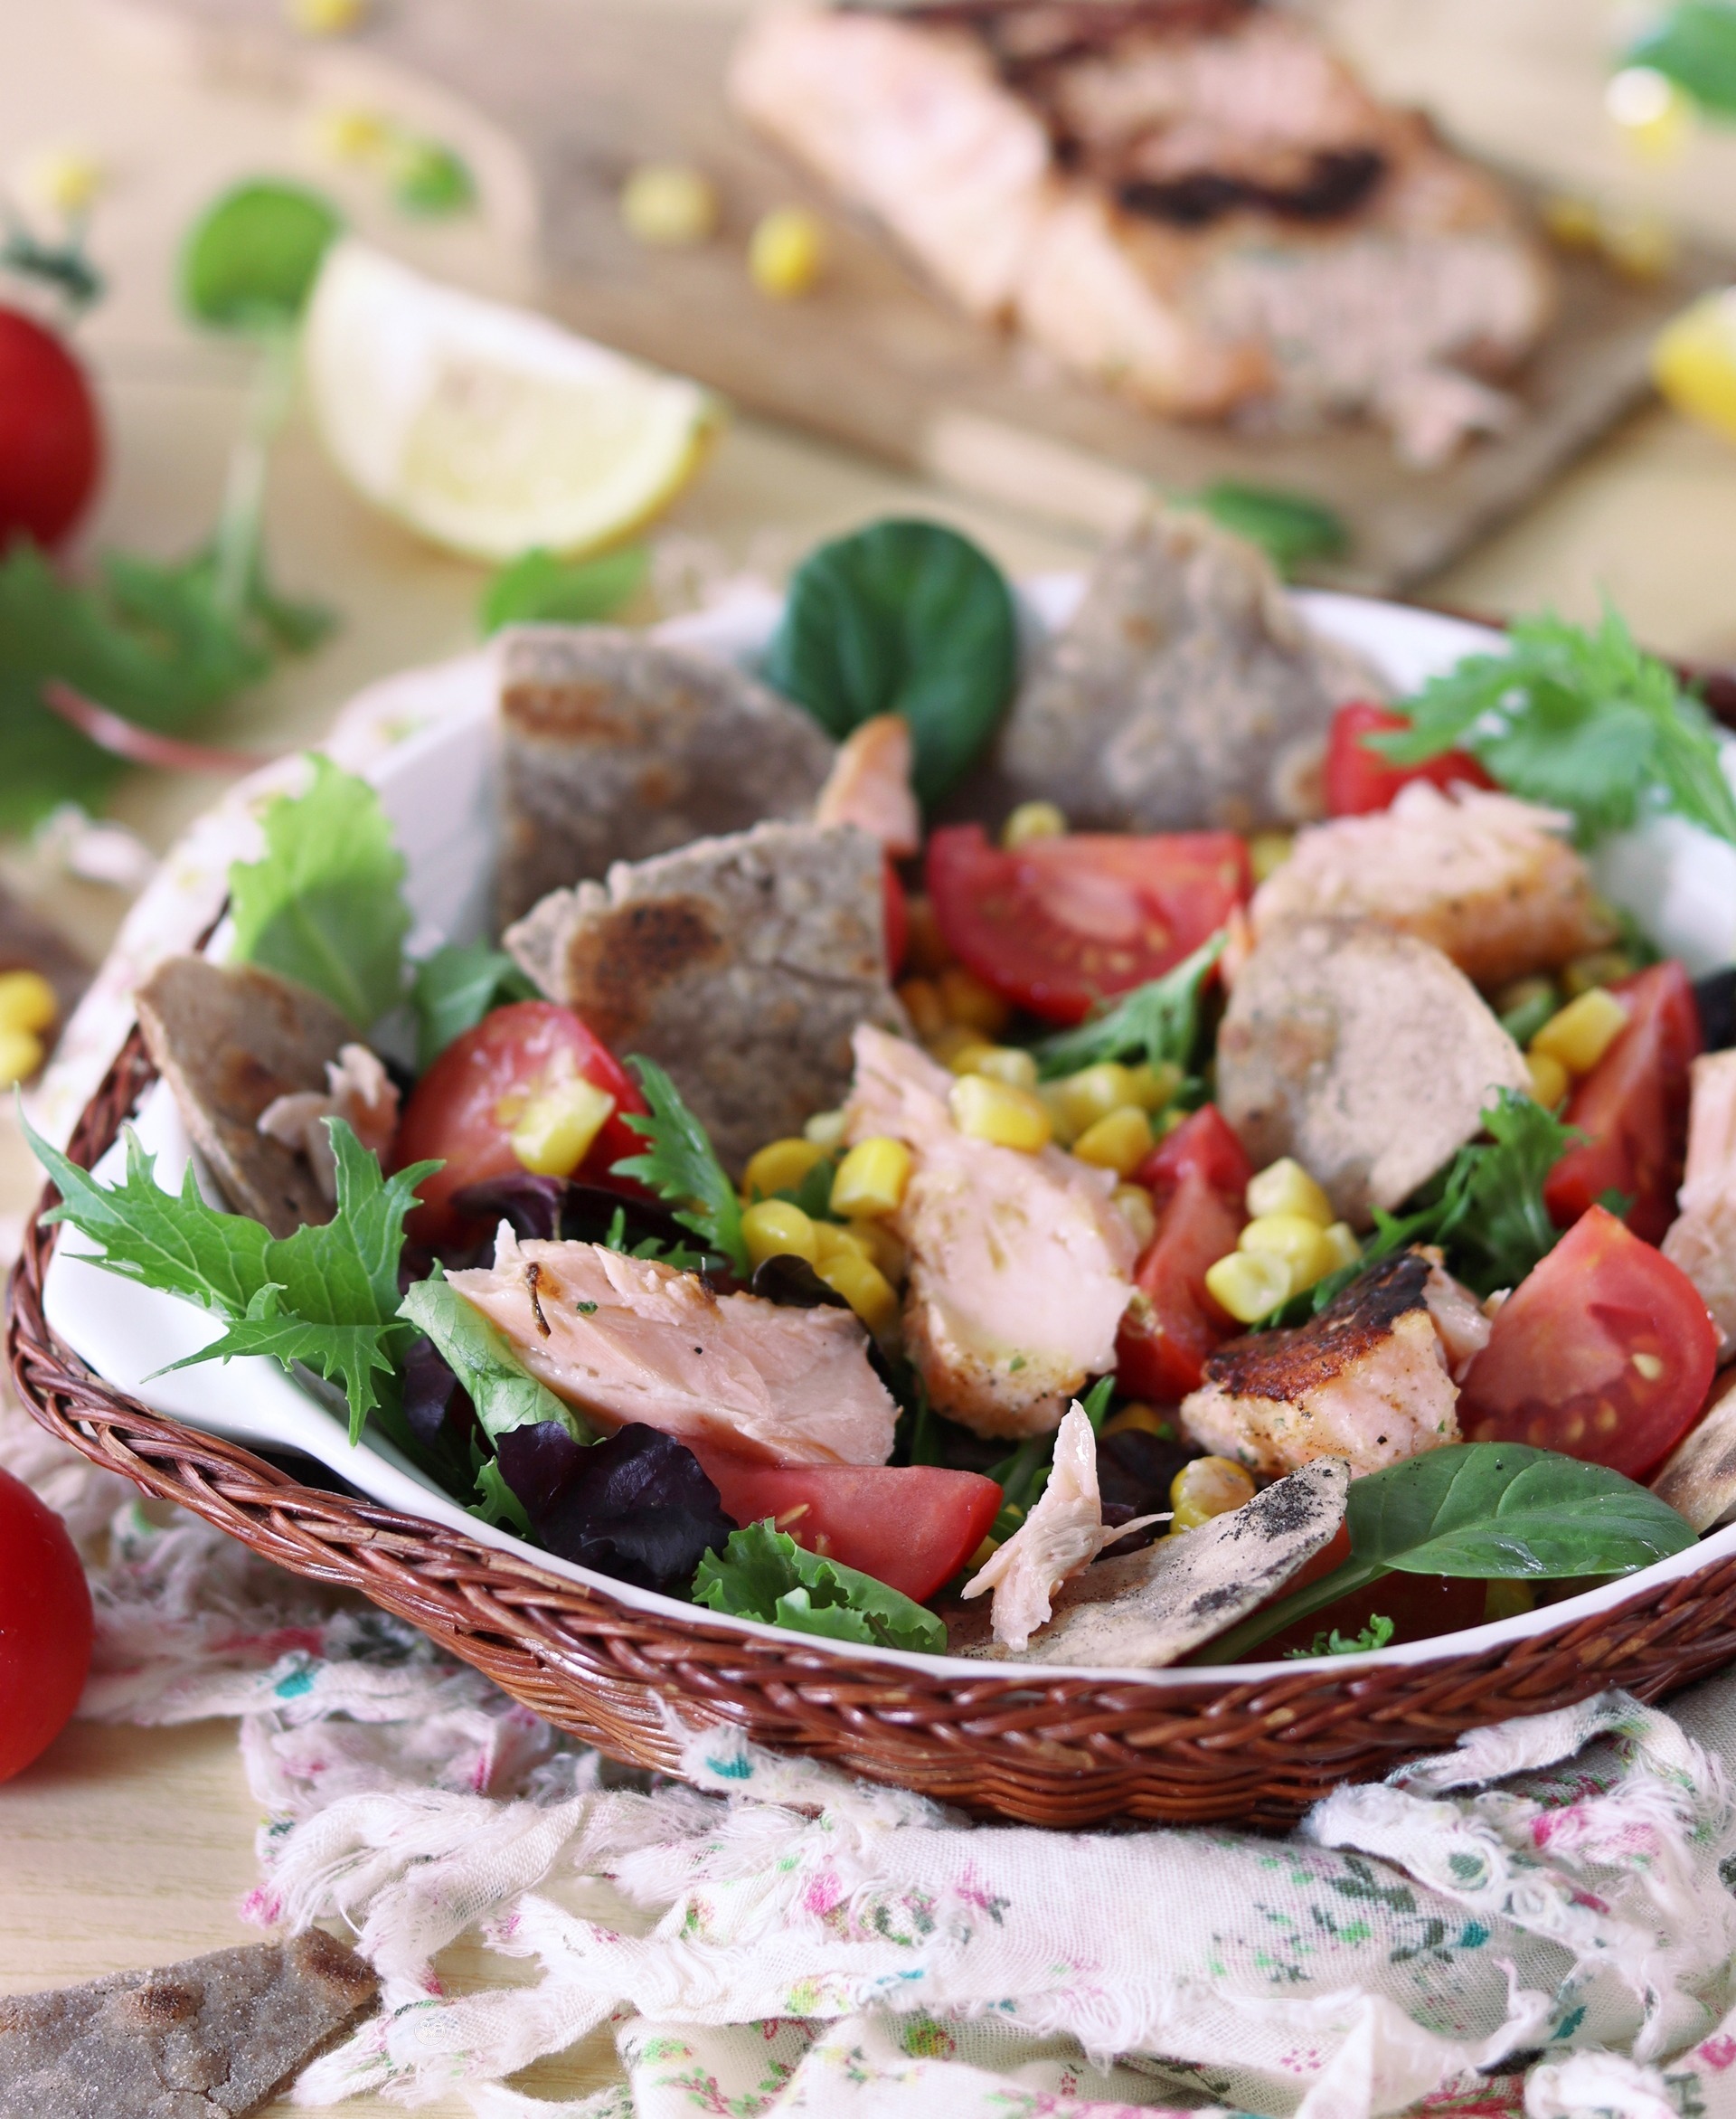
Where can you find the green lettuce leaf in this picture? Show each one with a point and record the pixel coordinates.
(761, 1574)
(455, 988)
(504, 1392)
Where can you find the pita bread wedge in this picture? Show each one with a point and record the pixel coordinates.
(613, 747)
(1151, 1608)
(210, 2036)
(230, 1039)
(742, 965)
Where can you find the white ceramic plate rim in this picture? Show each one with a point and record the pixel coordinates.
(1682, 883)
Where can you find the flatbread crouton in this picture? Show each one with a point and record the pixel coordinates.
(742, 965)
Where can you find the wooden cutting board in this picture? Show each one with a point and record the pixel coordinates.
(873, 358)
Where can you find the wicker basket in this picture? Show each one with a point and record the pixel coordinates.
(1051, 1751)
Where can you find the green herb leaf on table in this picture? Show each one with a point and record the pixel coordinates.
(504, 1392)
(1288, 527)
(1489, 1511)
(903, 617)
(455, 988)
(1158, 1022)
(428, 178)
(680, 1165)
(1581, 720)
(761, 1574)
(325, 904)
(1377, 1633)
(325, 1297)
(1693, 44)
(249, 260)
(540, 588)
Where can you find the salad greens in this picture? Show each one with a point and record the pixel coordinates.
(455, 988)
(1694, 43)
(762, 1574)
(324, 903)
(681, 1164)
(327, 1297)
(1491, 1511)
(504, 1392)
(540, 588)
(1377, 1633)
(1582, 721)
(902, 618)
(249, 260)
(1158, 1022)
(1288, 527)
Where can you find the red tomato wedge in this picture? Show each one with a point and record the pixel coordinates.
(1198, 1176)
(45, 1626)
(1633, 1106)
(462, 1112)
(1604, 1351)
(910, 1526)
(1061, 924)
(1359, 779)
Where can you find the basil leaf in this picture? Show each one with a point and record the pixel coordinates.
(1491, 1512)
(903, 617)
(1288, 527)
(454, 989)
(538, 589)
(1695, 45)
(250, 260)
(761, 1574)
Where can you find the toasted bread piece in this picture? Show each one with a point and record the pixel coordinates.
(230, 1039)
(1702, 1239)
(212, 2035)
(740, 964)
(614, 748)
(1365, 1054)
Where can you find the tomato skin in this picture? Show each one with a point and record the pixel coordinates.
(453, 1116)
(1058, 924)
(898, 921)
(1203, 1143)
(1564, 1367)
(1360, 780)
(45, 1626)
(1634, 1107)
(910, 1526)
(51, 446)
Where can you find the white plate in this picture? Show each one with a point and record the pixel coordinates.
(438, 791)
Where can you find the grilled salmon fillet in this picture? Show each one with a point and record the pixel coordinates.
(631, 1339)
(1366, 1380)
(1020, 1265)
(1702, 1239)
(1489, 880)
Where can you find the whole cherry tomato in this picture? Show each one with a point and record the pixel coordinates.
(51, 446)
(45, 1626)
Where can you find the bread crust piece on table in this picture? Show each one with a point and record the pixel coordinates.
(615, 748)
(229, 1039)
(208, 2036)
(742, 965)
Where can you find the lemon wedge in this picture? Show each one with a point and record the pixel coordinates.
(489, 429)
(1693, 362)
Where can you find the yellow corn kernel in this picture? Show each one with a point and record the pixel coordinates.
(969, 1001)
(871, 1178)
(924, 1007)
(1208, 1486)
(1007, 1063)
(787, 252)
(1548, 1079)
(1580, 1034)
(963, 1058)
(324, 18)
(1154, 1088)
(883, 1247)
(669, 204)
(1640, 244)
(1134, 1204)
(996, 1110)
(779, 1166)
(864, 1288)
(827, 1129)
(1341, 1240)
(832, 1241)
(926, 951)
(774, 1228)
(1267, 851)
(20, 1056)
(1603, 967)
(1119, 1142)
(551, 1136)
(1055, 1104)
(27, 1001)
(1285, 1187)
(1249, 1285)
(1693, 362)
(1093, 1094)
(1300, 1242)
(1139, 1418)
(1032, 820)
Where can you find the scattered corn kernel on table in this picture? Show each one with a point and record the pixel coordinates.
(124, 1848)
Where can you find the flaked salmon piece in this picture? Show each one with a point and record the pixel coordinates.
(1061, 1537)
(1489, 880)
(626, 1339)
(1019, 1264)
(913, 123)
(1366, 1380)
(359, 1090)
(1702, 1239)
(869, 786)
(1461, 1320)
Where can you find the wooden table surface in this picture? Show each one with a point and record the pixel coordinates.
(125, 1847)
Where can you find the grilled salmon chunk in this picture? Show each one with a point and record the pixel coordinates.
(1366, 1380)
